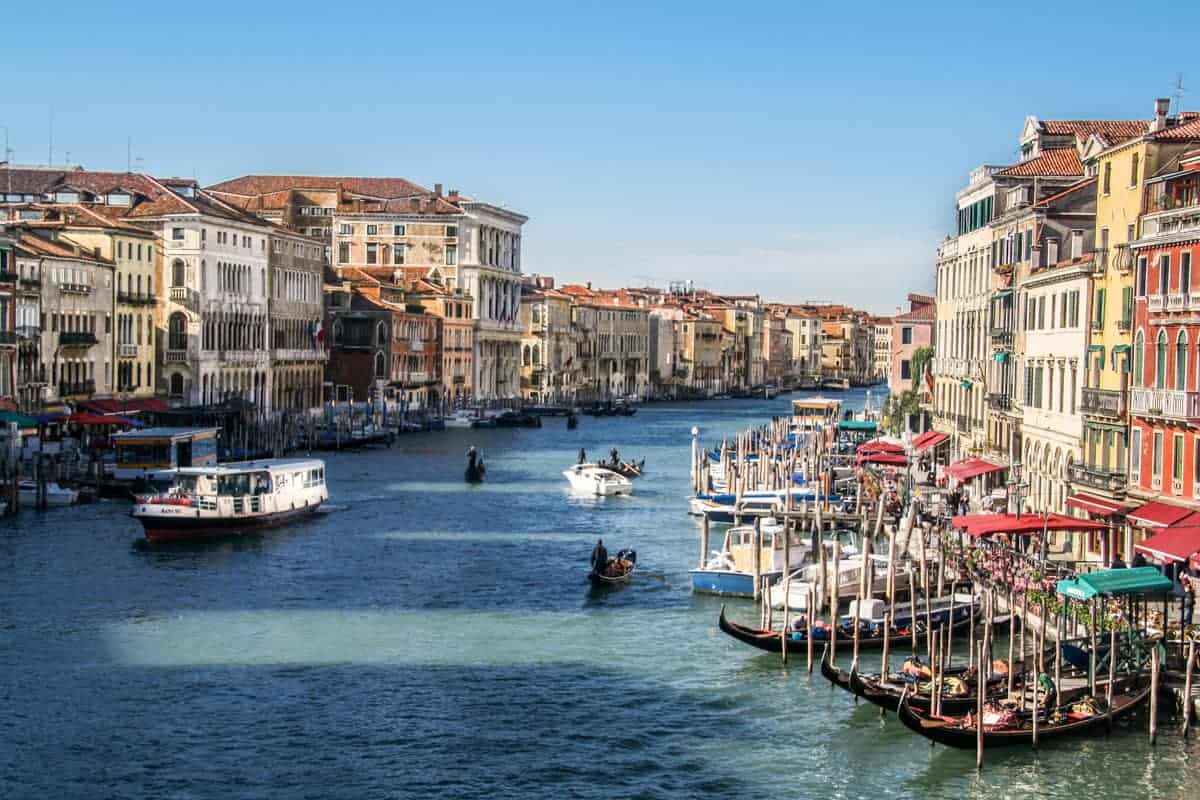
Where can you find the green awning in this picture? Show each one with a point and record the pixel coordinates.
(858, 425)
(1103, 426)
(1120, 348)
(1003, 293)
(1092, 348)
(1001, 357)
(1109, 582)
(21, 420)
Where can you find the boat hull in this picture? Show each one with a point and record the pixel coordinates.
(726, 582)
(161, 529)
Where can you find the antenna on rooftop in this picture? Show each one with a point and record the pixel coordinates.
(50, 147)
(129, 154)
(1177, 97)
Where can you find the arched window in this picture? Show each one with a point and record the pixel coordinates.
(537, 354)
(525, 356)
(1181, 344)
(178, 273)
(381, 333)
(177, 385)
(337, 332)
(380, 365)
(177, 331)
(1160, 361)
(1139, 359)
(536, 315)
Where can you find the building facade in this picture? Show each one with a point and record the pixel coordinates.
(295, 317)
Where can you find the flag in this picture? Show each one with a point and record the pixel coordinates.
(927, 382)
(318, 332)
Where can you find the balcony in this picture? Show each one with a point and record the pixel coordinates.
(31, 284)
(1103, 402)
(29, 332)
(8, 276)
(136, 299)
(1122, 258)
(1176, 302)
(127, 350)
(183, 296)
(1096, 477)
(76, 339)
(176, 356)
(1166, 403)
(1002, 336)
(8, 338)
(1123, 325)
(66, 388)
(999, 401)
(1156, 303)
(1183, 220)
(1097, 325)
(459, 379)
(74, 288)
(298, 354)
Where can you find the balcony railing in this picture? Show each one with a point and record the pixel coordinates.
(1001, 335)
(8, 276)
(1124, 325)
(75, 288)
(459, 379)
(1184, 219)
(31, 283)
(76, 339)
(127, 350)
(1103, 402)
(29, 332)
(1095, 477)
(298, 354)
(998, 401)
(76, 387)
(1122, 258)
(1176, 302)
(8, 337)
(136, 299)
(182, 295)
(1167, 403)
(175, 356)
(1156, 302)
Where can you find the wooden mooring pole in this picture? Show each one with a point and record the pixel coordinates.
(1188, 703)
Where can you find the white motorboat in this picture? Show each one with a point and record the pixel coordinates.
(849, 573)
(55, 495)
(596, 480)
(233, 499)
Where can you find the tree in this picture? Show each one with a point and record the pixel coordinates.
(897, 410)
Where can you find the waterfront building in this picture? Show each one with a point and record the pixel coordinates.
(547, 348)
(907, 333)
(1164, 403)
(805, 326)
(666, 372)
(360, 345)
(777, 348)
(9, 281)
(295, 314)
(74, 347)
(454, 309)
(31, 371)
(882, 348)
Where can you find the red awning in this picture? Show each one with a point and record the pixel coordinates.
(971, 468)
(988, 524)
(893, 459)
(928, 440)
(98, 419)
(1157, 515)
(1176, 543)
(1095, 505)
(879, 446)
(123, 406)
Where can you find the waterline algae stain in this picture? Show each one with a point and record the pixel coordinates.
(429, 639)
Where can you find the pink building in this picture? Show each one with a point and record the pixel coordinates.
(910, 331)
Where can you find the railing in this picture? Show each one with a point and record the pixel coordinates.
(459, 379)
(31, 283)
(76, 339)
(8, 276)
(127, 350)
(136, 299)
(1122, 258)
(1124, 325)
(1097, 325)
(1167, 403)
(1003, 334)
(1103, 402)
(74, 288)
(1176, 487)
(1176, 220)
(29, 332)
(1156, 302)
(181, 295)
(8, 337)
(298, 354)
(242, 356)
(175, 356)
(998, 401)
(1176, 302)
(76, 387)
(1096, 477)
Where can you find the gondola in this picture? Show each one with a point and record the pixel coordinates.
(1060, 722)
(886, 694)
(572, 422)
(475, 467)
(770, 640)
(618, 570)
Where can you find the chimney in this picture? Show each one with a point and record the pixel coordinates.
(437, 190)
(454, 194)
(1161, 106)
(589, 285)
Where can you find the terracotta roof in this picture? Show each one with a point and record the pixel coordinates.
(38, 246)
(1069, 190)
(1113, 130)
(81, 216)
(921, 314)
(1052, 163)
(383, 188)
(1178, 133)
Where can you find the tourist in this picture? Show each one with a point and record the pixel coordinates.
(1188, 600)
(1139, 560)
(1117, 563)
(615, 460)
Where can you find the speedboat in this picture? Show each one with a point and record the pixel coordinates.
(55, 495)
(730, 571)
(596, 480)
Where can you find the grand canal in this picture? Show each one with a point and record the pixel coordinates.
(425, 638)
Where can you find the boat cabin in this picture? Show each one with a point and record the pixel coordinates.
(815, 413)
(141, 453)
(739, 543)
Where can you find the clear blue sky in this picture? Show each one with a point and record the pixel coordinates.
(799, 152)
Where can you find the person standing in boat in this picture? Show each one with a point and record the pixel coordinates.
(582, 455)
(615, 461)
(599, 558)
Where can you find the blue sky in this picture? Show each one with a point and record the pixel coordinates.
(801, 151)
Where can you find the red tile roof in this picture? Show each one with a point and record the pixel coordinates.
(1179, 133)
(1052, 163)
(921, 314)
(38, 246)
(1114, 130)
(1069, 190)
(383, 188)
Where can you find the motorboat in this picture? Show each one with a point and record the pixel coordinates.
(56, 495)
(465, 418)
(232, 499)
(731, 570)
(596, 480)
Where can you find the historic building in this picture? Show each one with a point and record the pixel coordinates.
(8, 323)
(882, 348)
(547, 349)
(907, 333)
(295, 318)
(454, 309)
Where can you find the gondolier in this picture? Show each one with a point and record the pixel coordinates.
(599, 557)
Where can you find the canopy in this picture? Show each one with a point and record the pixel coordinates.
(1157, 515)
(858, 425)
(988, 524)
(1136, 580)
(893, 459)
(879, 446)
(971, 468)
(928, 440)
(1094, 505)
(84, 418)
(123, 406)
(21, 420)
(1177, 543)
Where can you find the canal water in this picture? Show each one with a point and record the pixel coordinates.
(429, 639)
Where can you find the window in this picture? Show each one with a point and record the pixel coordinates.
(1107, 177)
(381, 333)
(1156, 460)
(1041, 313)
(372, 253)
(905, 370)
(1139, 360)
(1127, 305)
(1141, 276)
(398, 230)
(345, 229)
(380, 365)
(177, 234)
(1164, 273)
(1177, 457)
(451, 231)
(1135, 453)
(1181, 360)
(906, 335)
(1133, 170)
(1076, 243)
(1185, 272)
(343, 252)
(451, 255)
(1101, 296)
(178, 273)
(1160, 361)
(398, 254)
(1196, 459)
(177, 331)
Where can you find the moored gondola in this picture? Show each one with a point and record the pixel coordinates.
(870, 638)
(1077, 715)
